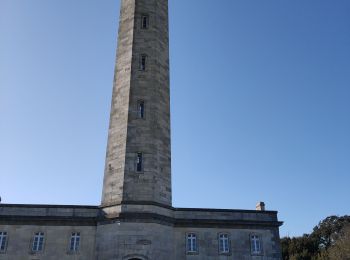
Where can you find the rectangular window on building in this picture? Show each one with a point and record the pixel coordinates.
(139, 162)
(255, 243)
(191, 243)
(144, 22)
(143, 62)
(74, 242)
(38, 242)
(224, 243)
(141, 109)
(3, 242)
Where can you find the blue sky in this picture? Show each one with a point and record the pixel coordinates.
(260, 96)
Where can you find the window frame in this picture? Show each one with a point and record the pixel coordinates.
(228, 239)
(141, 115)
(3, 241)
(253, 246)
(75, 250)
(143, 61)
(194, 237)
(145, 16)
(137, 162)
(38, 250)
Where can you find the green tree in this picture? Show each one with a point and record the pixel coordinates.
(341, 249)
(329, 240)
(328, 230)
(285, 242)
(299, 248)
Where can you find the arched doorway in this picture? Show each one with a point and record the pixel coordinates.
(135, 257)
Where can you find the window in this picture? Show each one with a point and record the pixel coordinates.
(143, 60)
(141, 109)
(3, 241)
(139, 162)
(38, 242)
(144, 22)
(255, 243)
(191, 243)
(74, 242)
(224, 243)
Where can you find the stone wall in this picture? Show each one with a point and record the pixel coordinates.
(122, 240)
(117, 133)
(129, 134)
(56, 242)
(225, 214)
(57, 222)
(125, 240)
(142, 231)
(208, 245)
(145, 232)
(22, 212)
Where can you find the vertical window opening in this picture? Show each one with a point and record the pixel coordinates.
(144, 22)
(139, 162)
(255, 244)
(38, 242)
(74, 242)
(143, 62)
(3, 240)
(191, 243)
(141, 109)
(224, 243)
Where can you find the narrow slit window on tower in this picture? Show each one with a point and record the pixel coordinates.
(144, 22)
(141, 109)
(139, 162)
(143, 62)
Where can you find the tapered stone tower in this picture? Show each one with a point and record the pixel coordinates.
(136, 195)
(138, 161)
(136, 220)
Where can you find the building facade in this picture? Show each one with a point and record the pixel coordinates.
(136, 220)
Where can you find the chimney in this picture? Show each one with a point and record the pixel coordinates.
(260, 206)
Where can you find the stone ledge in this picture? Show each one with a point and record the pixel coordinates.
(47, 206)
(47, 221)
(226, 210)
(64, 215)
(200, 223)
